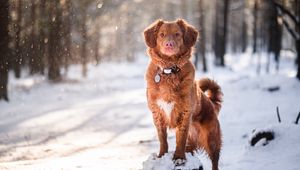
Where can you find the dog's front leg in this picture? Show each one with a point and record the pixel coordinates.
(182, 118)
(181, 137)
(161, 127)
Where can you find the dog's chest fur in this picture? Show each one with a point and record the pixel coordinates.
(166, 95)
(167, 107)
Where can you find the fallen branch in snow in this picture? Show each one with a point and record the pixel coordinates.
(273, 89)
(278, 115)
(267, 135)
(145, 141)
(297, 119)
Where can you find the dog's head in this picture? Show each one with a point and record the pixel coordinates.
(170, 38)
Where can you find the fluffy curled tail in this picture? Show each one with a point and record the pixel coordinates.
(212, 91)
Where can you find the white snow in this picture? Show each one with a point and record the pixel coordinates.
(166, 106)
(166, 162)
(281, 153)
(102, 122)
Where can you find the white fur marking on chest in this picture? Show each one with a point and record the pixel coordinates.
(165, 106)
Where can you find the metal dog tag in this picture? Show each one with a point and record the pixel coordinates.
(157, 78)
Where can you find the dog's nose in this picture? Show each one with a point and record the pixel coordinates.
(170, 44)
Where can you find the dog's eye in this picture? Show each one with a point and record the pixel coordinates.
(161, 35)
(177, 34)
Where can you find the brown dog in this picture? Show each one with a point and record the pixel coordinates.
(175, 98)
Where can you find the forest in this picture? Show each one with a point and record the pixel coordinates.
(73, 62)
(45, 37)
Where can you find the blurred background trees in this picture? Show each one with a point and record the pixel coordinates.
(4, 50)
(45, 37)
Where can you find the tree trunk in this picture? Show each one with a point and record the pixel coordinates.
(33, 58)
(296, 32)
(4, 49)
(67, 34)
(216, 34)
(255, 27)
(297, 41)
(18, 58)
(97, 43)
(202, 36)
(84, 44)
(221, 31)
(42, 46)
(129, 28)
(244, 36)
(196, 60)
(275, 33)
(54, 42)
(226, 9)
(244, 29)
(298, 57)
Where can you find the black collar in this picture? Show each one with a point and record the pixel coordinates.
(167, 71)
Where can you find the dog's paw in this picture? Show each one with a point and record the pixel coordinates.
(179, 162)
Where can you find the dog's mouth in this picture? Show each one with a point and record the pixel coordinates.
(169, 51)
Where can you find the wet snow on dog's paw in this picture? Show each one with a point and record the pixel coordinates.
(166, 162)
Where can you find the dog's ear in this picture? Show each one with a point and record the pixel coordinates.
(190, 34)
(150, 33)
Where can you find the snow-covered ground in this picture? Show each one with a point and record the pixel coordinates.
(102, 121)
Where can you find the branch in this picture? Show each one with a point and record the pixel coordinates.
(287, 26)
(288, 13)
(297, 119)
(278, 115)
(268, 135)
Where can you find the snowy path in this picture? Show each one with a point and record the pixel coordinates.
(103, 118)
(102, 122)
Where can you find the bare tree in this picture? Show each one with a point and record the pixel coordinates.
(255, 11)
(275, 33)
(54, 57)
(221, 31)
(67, 30)
(97, 44)
(18, 57)
(244, 28)
(4, 49)
(84, 37)
(33, 58)
(202, 46)
(295, 33)
(42, 37)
